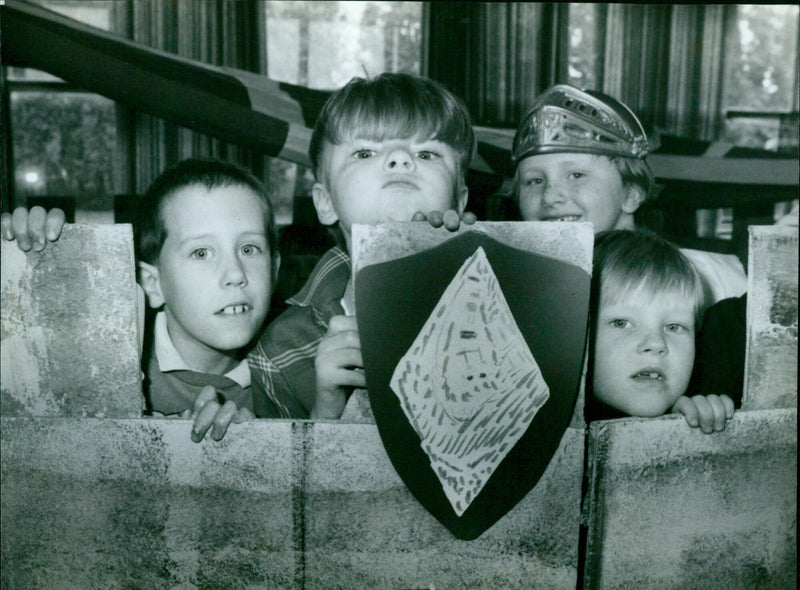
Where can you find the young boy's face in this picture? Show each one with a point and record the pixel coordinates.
(643, 351)
(214, 271)
(367, 181)
(575, 187)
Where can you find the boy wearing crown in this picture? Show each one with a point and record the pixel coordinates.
(580, 155)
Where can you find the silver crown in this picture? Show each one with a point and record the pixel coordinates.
(566, 119)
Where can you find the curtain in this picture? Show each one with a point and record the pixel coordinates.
(497, 56)
(217, 32)
(665, 61)
(696, 66)
(635, 62)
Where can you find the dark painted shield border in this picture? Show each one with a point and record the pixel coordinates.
(550, 308)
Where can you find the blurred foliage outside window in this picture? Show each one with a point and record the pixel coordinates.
(583, 67)
(762, 75)
(63, 143)
(63, 139)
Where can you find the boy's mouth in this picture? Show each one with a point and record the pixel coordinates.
(563, 218)
(237, 309)
(649, 375)
(400, 182)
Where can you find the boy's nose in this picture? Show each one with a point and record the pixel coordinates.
(400, 159)
(653, 342)
(234, 275)
(553, 195)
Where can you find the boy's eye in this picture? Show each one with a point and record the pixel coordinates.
(675, 328)
(200, 254)
(619, 323)
(427, 155)
(251, 250)
(576, 175)
(363, 154)
(533, 181)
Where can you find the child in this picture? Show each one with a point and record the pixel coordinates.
(580, 156)
(647, 301)
(391, 148)
(207, 260)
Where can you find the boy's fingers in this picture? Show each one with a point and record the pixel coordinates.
(346, 378)
(207, 394)
(204, 420)
(19, 227)
(705, 412)
(685, 406)
(5, 226)
(223, 419)
(342, 323)
(469, 218)
(418, 216)
(341, 341)
(435, 218)
(451, 220)
(346, 358)
(729, 406)
(54, 224)
(243, 415)
(36, 222)
(717, 411)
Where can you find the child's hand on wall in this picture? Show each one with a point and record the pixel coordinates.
(791, 218)
(710, 412)
(339, 367)
(450, 218)
(32, 229)
(209, 413)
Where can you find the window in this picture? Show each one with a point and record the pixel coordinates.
(583, 46)
(760, 92)
(64, 139)
(760, 83)
(323, 45)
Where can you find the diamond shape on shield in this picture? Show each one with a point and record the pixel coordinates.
(468, 384)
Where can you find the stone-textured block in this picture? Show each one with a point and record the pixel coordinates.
(90, 503)
(771, 358)
(671, 507)
(68, 328)
(364, 529)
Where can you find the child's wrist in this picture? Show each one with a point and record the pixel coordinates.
(326, 410)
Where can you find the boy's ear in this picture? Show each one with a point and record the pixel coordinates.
(633, 200)
(323, 204)
(461, 197)
(276, 266)
(151, 284)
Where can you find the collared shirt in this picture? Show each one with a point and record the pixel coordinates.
(169, 359)
(282, 363)
(172, 385)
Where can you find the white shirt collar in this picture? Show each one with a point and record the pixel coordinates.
(169, 359)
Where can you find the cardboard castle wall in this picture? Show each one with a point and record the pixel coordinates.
(91, 503)
(132, 502)
(771, 362)
(671, 507)
(68, 329)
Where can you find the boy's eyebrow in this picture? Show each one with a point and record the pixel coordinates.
(194, 238)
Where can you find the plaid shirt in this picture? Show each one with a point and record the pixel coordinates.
(282, 363)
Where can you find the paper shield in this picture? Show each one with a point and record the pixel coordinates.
(473, 347)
